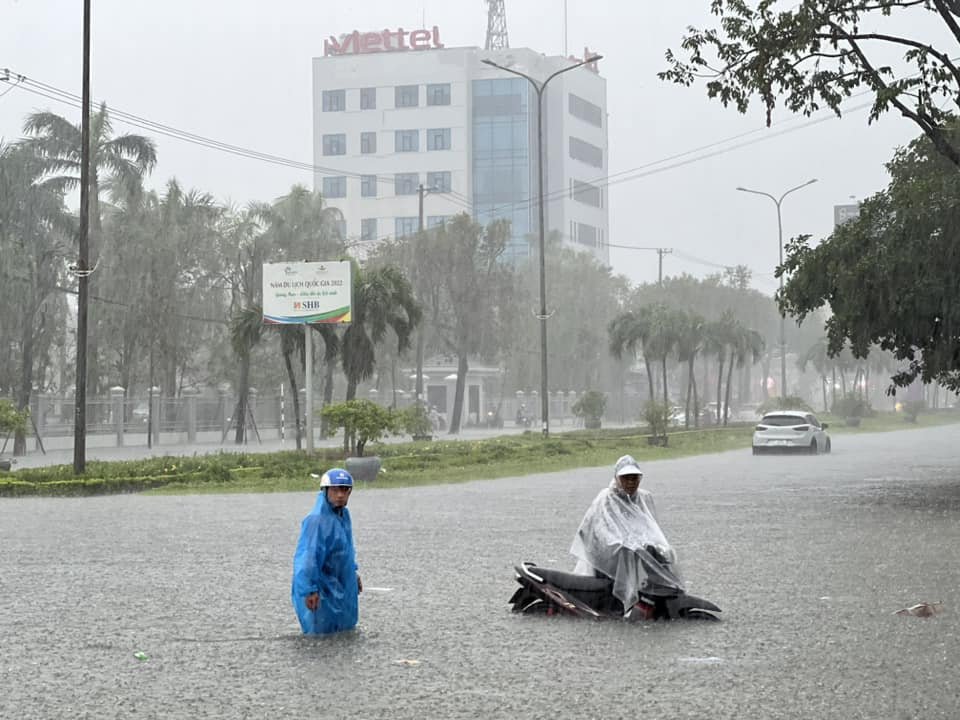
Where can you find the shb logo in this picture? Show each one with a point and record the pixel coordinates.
(296, 306)
(289, 270)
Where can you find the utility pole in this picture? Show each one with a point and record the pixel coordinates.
(661, 252)
(82, 272)
(421, 192)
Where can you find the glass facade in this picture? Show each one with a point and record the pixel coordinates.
(504, 169)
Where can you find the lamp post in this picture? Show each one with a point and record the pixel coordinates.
(783, 341)
(540, 87)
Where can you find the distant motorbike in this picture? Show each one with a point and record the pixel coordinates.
(493, 420)
(6, 464)
(523, 420)
(544, 591)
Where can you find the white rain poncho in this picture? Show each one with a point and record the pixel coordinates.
(614, 527)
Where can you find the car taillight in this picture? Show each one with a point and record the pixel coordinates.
(760, 428)
(801, 428)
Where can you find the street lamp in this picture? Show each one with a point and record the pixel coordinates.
(540, 87)
(783, 341)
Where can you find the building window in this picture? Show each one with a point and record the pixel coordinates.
(334, 100)
(586, 152)
(406, 96)
(368, 229)
(439, 181)
(437, 220)
(585, 234)
(335, 144)
(438, 139)
(335, 187)
(586, 110)
(438, 94)
(368, 186)
(586, 193)
(368, 142)
(406, 141)
(405, 183)
(368, 98)
(406, 226)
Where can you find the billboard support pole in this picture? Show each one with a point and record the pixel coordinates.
(308, 347)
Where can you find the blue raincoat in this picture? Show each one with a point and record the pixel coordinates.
(325, 563)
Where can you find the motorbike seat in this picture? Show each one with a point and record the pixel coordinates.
(572, 581)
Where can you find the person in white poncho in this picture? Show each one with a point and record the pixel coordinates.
(619, 528)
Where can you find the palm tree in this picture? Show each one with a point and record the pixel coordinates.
(243, 235)
(34, 242)
(746, 346)
(816, 355)
(382, 299)
(690, 338)
(717, 338)
(124, 159)
(629, 332)
(663, 340)
(246, 330)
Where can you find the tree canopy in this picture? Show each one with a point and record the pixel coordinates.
(892, 276)
(818, 53)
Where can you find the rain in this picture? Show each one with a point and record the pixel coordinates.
(428, 236)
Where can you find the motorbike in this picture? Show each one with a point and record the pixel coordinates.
(523, 420)
(545, 591)
(493, 420)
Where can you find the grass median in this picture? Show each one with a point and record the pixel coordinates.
(405, 464)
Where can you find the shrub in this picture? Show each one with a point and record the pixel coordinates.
(851, 406)
(415, 421)
(912, 409)
(657, 415)
(11, 419)
(362, 421)
(590, 406)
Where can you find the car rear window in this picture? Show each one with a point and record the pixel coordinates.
(783, 420)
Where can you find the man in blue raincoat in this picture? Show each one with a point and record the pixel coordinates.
(325, 578)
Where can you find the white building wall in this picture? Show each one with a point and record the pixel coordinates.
(385, 71)
(458, 67)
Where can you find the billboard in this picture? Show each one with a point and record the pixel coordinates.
(845, 213)
(307, 292)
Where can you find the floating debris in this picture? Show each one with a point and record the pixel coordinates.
(923, 609)
(408, 662)
(141, 656)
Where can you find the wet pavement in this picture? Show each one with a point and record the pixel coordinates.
(808, 557)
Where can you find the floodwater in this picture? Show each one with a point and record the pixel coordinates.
(808, 557)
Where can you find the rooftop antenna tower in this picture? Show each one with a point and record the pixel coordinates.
(496, 26)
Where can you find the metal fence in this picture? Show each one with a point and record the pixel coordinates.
(117, 420)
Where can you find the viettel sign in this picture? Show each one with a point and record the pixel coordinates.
(357, 42)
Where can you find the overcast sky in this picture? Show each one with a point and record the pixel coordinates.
(239, 71)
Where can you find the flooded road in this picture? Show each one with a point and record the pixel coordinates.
(807, 556)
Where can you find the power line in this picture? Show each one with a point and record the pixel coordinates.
(53, 93)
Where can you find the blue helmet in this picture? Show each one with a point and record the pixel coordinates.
(336, 477)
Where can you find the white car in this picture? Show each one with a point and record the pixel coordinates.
(790, 431)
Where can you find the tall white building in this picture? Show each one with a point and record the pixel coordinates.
(394, 110)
